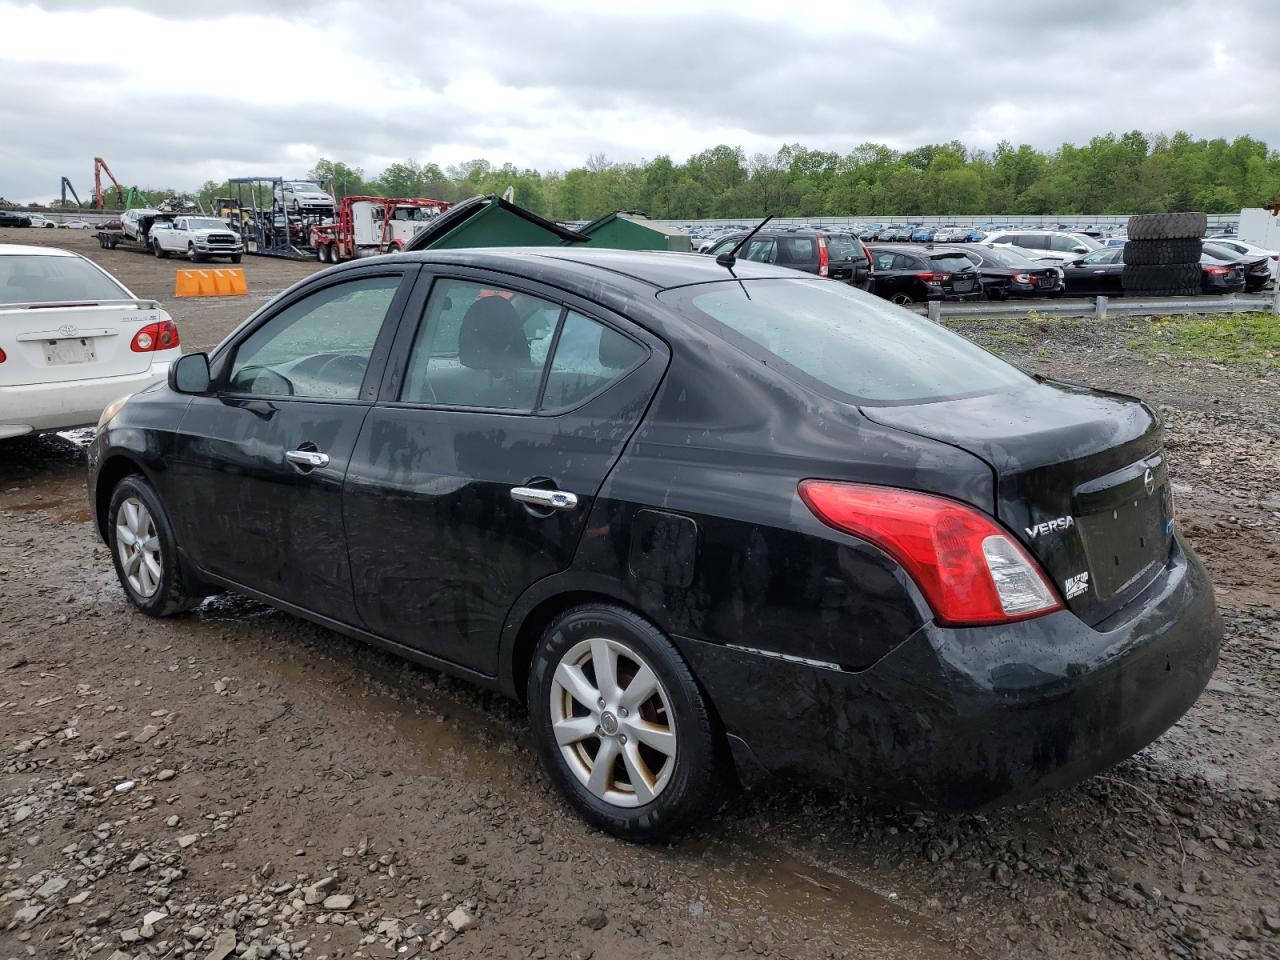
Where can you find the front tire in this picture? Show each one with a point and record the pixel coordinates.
(902, 299)
(623, 728)
(144, 550)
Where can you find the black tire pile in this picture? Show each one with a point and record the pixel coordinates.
(1162, 255)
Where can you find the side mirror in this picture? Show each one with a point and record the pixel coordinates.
(1081, 249)
(189, 373)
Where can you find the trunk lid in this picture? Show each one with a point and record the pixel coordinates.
(1081, 481)
(55, 343)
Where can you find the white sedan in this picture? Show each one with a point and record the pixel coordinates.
(72, 340)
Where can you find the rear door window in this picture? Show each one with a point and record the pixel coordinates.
(588, 357)
(480, 346)
(760, 249)
(796, 252)
(843, 343)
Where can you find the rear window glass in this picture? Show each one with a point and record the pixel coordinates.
(42, 279)
(1006, 257)
(843, 342)
(841, 246)
(955, 262)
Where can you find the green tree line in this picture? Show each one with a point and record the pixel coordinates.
(1129, 173)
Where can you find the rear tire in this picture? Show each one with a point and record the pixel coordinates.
(145, 551)
(666, 756)
(902, 299)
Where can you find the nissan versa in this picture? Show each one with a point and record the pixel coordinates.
(705, 517)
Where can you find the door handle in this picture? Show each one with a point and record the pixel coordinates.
(307, 458)
(552, 499)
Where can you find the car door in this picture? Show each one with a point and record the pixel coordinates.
(260, 460)
(1099, 273)
(504, 407)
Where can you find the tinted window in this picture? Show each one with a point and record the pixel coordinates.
(723, 246)
(589, 356)
(317, 347)
(38, 279)
(796, 252)
(1030, 241)
(843, 342)
(955, 262)
(884, 260)
(1066, 244)
(480, 346)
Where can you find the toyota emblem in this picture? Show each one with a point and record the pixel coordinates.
(68, 329)
(1149, 481)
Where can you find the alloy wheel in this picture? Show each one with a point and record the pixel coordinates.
(613, 722)
(138, 547)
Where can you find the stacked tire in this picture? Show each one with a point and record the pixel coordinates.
(1162, 255)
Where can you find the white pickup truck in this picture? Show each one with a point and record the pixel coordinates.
(199, 238)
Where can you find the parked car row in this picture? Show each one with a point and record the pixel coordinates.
(1009, 265)
(13, 218)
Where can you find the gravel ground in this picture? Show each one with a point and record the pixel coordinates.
(237, 782)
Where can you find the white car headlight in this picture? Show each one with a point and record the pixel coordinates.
(109, 412)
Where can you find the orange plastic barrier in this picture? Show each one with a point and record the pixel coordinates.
(228, 282)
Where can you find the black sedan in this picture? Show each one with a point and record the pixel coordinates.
(1101, 274)
(915, 274)
(1007, 274)
(704, 519)
(9, 218)
(1256, 269)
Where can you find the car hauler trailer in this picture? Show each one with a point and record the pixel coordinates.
(368, 226)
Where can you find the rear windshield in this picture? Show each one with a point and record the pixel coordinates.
(42, 279)
(955, 262)
(842, 342)
(841, 246)
(1008, 258)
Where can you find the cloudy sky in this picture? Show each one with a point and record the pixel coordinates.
(176, 92)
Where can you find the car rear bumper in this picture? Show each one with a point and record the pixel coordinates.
(38, 407)
(969, 718)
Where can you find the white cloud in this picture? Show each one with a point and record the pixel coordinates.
(174, 93)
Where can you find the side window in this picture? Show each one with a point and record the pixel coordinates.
(884, 261)
(723, 246)
(589, 356)
(760, 249)
(1064, 244)
(480, 346)
(319, 346)
(796, 250)
(903, 262)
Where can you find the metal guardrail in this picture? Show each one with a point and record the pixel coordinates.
(1096, 307)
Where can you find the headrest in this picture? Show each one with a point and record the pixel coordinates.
(491, 336)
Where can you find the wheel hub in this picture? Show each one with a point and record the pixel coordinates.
(612, 720)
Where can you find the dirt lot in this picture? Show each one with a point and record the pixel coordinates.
(237, 781)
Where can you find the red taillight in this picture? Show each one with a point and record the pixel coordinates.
(3, 356)
(824, 262)
(162, 335)
(871, 264)
(1023, 278)
(970, 570)
(1217, 271)
(933, 277)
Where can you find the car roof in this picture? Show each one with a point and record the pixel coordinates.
(658, 269)
(19, 249)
